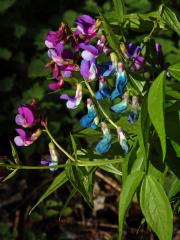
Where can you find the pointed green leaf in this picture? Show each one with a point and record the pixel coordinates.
(156, 108)
(170, 18)
(119, 9)
(57, 182)
(14, 153)
(131, 184)
(156, 208)
(81, 181)
(143, 129)
(110, 168)
(74, 146)
(175, 71)
(10, 175)
(110, 35)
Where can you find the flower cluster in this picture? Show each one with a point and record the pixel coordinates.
(27, 118)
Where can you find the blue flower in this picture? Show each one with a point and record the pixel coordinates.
(90, 120)
(104, 144)
(122, 140)
(133, 115)
(103, 90)
(121, 81)
(122, 106)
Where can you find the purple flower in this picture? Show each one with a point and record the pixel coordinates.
(73, 101)
(122, 140)
(87, 26)
(56, 85)
(52, 160)
(25, 116)
(24, 139)
(53, 38)
(133, 115)
(88, 69)
(132, 51)
(104, 144)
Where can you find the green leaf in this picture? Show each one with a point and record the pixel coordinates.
(170, 18)
(14, 153)
(137, 85)
(110, 35)
(74, 146)
(174, 188)
(175, 71)
(131, 184)
(10, 175)
(144, 128)
(110, 168)
(119, 9)
(5, 54)
(81, 180)
(156, 108)
(156, 208)
(19, 30)
(57, 182)
(5, 4)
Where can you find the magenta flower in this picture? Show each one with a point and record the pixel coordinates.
(87, 26)
(24, 139)
(56, 85)
(73, 101)
(25, 116)
(53, 38)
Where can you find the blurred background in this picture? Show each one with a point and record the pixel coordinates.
(23, 26)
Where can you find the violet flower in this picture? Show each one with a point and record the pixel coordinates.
(104, 144)
(24, 139)
(90, 120)
(25, 116)
(56, 85)
(122, 106)
(53, 159)
(121, 81)
(87, 26)
(73, 101)
(103, 89)
(133, 115)
(53, 38)
(122, 140)
(132, 51)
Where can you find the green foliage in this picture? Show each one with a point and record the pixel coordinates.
(156, 108)
(156, 208)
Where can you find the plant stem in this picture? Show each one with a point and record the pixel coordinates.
(58, 145)
(99, 105)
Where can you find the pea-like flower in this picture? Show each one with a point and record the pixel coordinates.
(90, 120)
(73, 101)
(86, 26)
(122, 140)
(132, 51)
(103, 89)
(26, 116)
(25, 139)
(122, 106)
(133, 115)
(104, 144)
(121, 81)
(52, 160)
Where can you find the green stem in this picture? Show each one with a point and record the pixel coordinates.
(58, 145)
(99, 105)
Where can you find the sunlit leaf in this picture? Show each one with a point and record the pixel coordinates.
(175, 71)
(156, 208)
(156, 108)
(131, 184)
